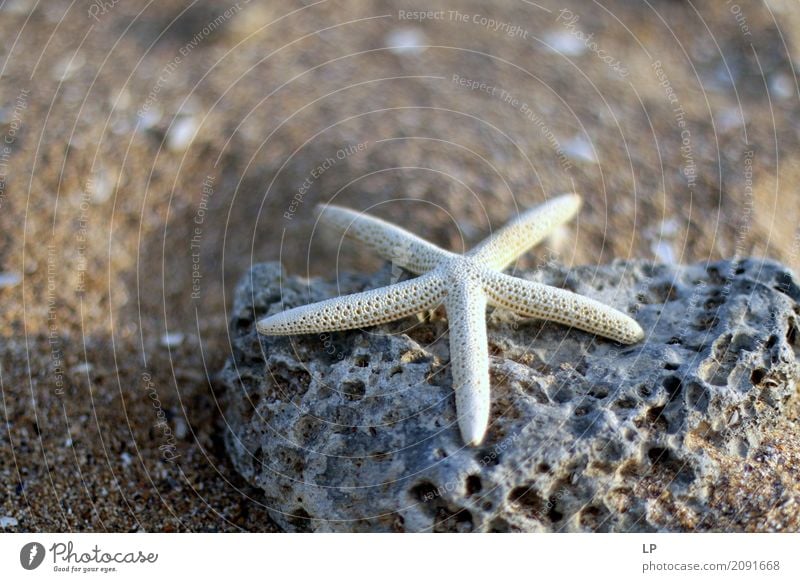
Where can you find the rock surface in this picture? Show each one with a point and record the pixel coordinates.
(356, 431)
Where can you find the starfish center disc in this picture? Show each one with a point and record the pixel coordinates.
(462, 269)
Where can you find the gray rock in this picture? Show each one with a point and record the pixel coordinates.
(356, 431)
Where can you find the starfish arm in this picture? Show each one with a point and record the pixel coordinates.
(553, 304)
(503, 247)
(469, 359)
(391, 242)
(359, 309)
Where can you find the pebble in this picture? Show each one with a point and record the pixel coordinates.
(149, 119)
(8, 521)
(66, 68)
(82, 368)
(181, 134)
(102, 186)
(782, 86)
(579, 148)
(729, 119)
(172, 340)
(180, 428)
(10, 279)
(564, 43)
(406, 41)
(17, 6)
(663, 252)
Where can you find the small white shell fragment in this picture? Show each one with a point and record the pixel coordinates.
(10, 279)
(172, 340)
(782, 86)
(8, 521)
(564, 43)
(406, 40)
(181, 134)
(82, 368)
(663, 252)
(579, 148)
(180, 427)
(68, 66)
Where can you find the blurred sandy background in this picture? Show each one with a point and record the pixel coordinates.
(152, 151)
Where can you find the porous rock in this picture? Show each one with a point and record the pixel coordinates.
(356, 430)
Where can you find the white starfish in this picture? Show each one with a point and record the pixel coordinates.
(465, 283)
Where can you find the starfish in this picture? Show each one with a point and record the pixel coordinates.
(465, 284)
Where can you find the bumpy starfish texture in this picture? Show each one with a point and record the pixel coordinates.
(465, 284)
